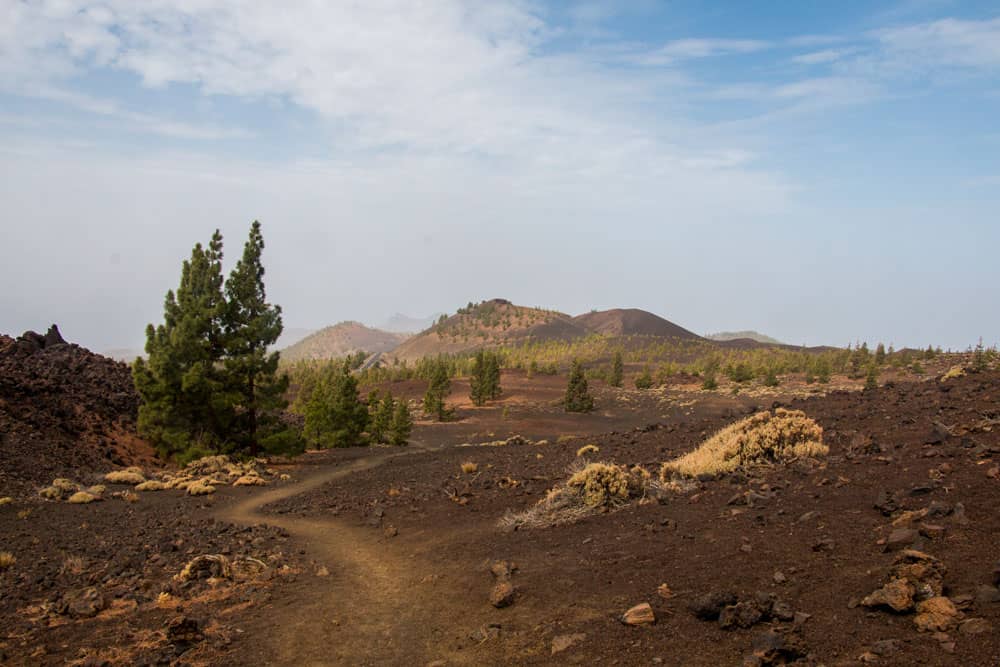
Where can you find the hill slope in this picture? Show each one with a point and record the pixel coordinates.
(490, 323)
(340, 340)
(499, 322)
(632, 322)
(724, 336)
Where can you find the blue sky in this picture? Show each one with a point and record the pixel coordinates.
(821, 172)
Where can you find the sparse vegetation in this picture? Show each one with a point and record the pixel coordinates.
(587, 449)
(7, 560)
(644, 380)
(129, 476)
(437, 390)
(469, 467)
(334, 414)
(578, 398)
(590, 489)
(761, 438)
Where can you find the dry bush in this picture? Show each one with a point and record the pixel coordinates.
(469, 467)
(82, 498)
(51, 493)
(565, 438)
(587, 449)
(97, 489)
(151, 485)
(590, 489)
(200, 488)
(130, 477)
(953, 373)
(6, 500)
(250, 480)
(7, 560)
(760, 438)
(60, 489)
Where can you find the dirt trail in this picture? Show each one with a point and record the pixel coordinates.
(377, 606)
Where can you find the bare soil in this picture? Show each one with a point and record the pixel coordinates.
(381, 556)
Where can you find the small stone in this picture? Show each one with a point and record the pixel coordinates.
(936, 614)
(901, 538)
(563, 642)
(85, 603)
(779, 578)
(801, 617)
(502, 594)
(987, 594)
(938, 509)
(743, 614)
(641, 614)
(885, 647)
(897, 595)
(502, 569)
(183, 631)
(932, 531)
(390, 531)
(974, 626)
(707, 607)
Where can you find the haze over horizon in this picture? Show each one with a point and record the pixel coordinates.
(818, 174)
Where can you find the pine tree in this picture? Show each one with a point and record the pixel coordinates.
(402, 424)
(382, 424)
(335, 415)
(871, 380)
(880, 354)
(477, 379)
(184, 402)
(578, 398)
(617, 370)
(644, 380)
(252, 324)
(493, 389)
(437, 389)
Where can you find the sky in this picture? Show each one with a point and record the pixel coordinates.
(821, 172)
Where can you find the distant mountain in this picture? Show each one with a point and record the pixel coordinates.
(290, 336)
(125, 354)
(723, 336)
(400, 323)
(340, 340)
(632, 322)
(499, 322)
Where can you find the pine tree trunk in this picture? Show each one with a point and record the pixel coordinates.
(252, 413)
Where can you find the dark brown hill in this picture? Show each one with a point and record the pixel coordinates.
(632, 322)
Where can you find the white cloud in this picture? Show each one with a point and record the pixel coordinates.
(688, 49)
(928, 47)
(821, 57)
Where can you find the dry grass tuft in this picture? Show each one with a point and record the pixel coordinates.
(953, 373)
(6, 500)
(73, 565)
(200, 488)
(469, 467)
(590, 489)
(760, 438)
(151, 485)
(250, 480)
(82, 498)
(565, 438)
(97, 489)
(128, 476)
(7, 560)
(587, 449)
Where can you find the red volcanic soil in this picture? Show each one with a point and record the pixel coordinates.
(389, 550)
(632, 322)
(63, 409)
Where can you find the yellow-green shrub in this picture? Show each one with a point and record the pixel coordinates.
(760, 438)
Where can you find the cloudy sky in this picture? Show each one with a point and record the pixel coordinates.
(821, 172)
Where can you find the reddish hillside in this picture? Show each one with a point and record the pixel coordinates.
(341, 340)
(632, 322)
(63, 409)
(488, 324)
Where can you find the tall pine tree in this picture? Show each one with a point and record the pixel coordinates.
(578, 398)
(256, 389)
(617, 370)
(184, 405)
(477, 379)
(438, 387)
(402, 424)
